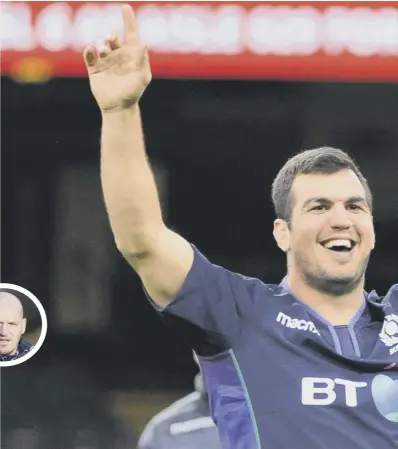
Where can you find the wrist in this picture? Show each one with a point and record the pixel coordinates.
(120, 110)
(121, 115)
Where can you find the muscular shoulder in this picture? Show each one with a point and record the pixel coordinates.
(390, 299)
(393, 292)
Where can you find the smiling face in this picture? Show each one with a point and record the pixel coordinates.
(331, 233)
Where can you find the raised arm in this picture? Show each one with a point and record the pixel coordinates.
(118, 77)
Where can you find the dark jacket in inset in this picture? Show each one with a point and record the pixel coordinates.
(23, 348)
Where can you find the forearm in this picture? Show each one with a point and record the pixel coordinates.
(128, 184)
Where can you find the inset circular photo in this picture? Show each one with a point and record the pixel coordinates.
(23, 325)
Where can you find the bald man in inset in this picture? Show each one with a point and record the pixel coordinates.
(12, 327)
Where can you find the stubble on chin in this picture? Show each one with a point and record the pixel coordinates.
(324, 282)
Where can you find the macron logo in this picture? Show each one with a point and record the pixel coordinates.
(294, 323)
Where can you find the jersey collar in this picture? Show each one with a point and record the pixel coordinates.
(372, 305)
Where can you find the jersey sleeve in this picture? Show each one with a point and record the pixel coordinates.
(213, 307)
(148, 439)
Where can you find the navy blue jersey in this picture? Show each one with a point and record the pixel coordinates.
(278, 375)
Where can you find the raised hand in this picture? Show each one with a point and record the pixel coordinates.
(118, 73)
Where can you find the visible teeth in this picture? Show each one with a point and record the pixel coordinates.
(332, 243)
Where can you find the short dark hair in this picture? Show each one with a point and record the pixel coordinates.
(323, 160)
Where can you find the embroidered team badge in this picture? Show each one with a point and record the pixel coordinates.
(389, 333)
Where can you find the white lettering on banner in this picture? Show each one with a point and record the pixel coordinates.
(323, 391)
(186, 29)
(228, 30)
(208, 29)
(88, 25)
(16, 31)
(53, 26)
(284, 30)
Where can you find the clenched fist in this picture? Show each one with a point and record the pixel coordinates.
(118, 73)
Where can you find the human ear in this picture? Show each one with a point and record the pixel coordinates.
(282, 234)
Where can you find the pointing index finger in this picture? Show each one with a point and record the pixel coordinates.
(130, 26)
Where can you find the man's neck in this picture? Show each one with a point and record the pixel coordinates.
(337, 310)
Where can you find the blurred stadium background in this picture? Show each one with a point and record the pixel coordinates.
(238, 88)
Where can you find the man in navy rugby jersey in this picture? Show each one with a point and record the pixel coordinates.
(307, 364)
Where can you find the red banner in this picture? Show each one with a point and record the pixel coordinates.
(254, 40)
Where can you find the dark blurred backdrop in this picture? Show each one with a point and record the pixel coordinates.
(216, 147)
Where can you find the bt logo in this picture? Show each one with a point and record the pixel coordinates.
(324, 391)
